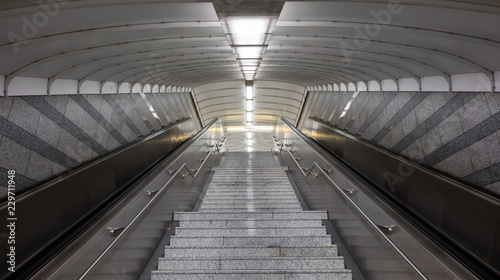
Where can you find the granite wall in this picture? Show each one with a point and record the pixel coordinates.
(44, 136)
(455, 133)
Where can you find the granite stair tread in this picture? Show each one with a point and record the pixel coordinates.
(338, 274)
(254, 250)
(250, 231)
(219, 224)
(252, 263)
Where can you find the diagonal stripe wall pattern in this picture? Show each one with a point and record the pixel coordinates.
(455, 133)
(250, 225)
(44, 136)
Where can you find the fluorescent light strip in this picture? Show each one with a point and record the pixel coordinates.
(250, 105)
(249, 116)
(249, 91)
(249, 52)
(248, 31)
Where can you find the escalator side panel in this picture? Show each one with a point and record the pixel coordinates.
(66, 201)
(458, 212)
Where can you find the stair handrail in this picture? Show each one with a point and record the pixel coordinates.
(192, 173)
(215, 148)
(284, 147)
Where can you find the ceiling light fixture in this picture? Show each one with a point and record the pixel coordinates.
(249, 37)
(249, 105)
(249, 117)
(249, 91)
(249, 51)
(248, 31)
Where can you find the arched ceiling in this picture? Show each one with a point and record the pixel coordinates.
(178, 44)
(339, 42)
(187, 44)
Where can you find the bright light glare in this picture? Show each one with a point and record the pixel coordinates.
(249, 135)
(248, 31)
(248, 77)
(249, 91)
(249, 68)
(348, 106)
(249, 127)
(249, 124)
(249, 142)
(263, 128)
(248, 52)
(249, 105)
(246, 62)
(249, 116)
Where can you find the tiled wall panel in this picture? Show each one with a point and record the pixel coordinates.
(455, 133)
(44, 136)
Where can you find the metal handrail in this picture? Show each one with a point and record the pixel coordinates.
(153, 199)
(346, 196)
(197, 170)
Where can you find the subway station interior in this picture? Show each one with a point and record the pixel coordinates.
(250, 139)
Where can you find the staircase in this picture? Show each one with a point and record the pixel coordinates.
(250, 226)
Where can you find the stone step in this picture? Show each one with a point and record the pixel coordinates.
(262, 179)
(250, 231)
(250, 205)
(268, 191)
(253, 177)
(244, 175)
(254, 251)
(247, 172)
(236, 183)
(177, 241)
(252, 194)
(256, 176)
(249, 210)
(249, 194)
(250, 188)
(301, 215)
(249, 185)
(253, 168)
(284, 195)
(250, 223)
(245, 263)
(334, 274)
(210, 201)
